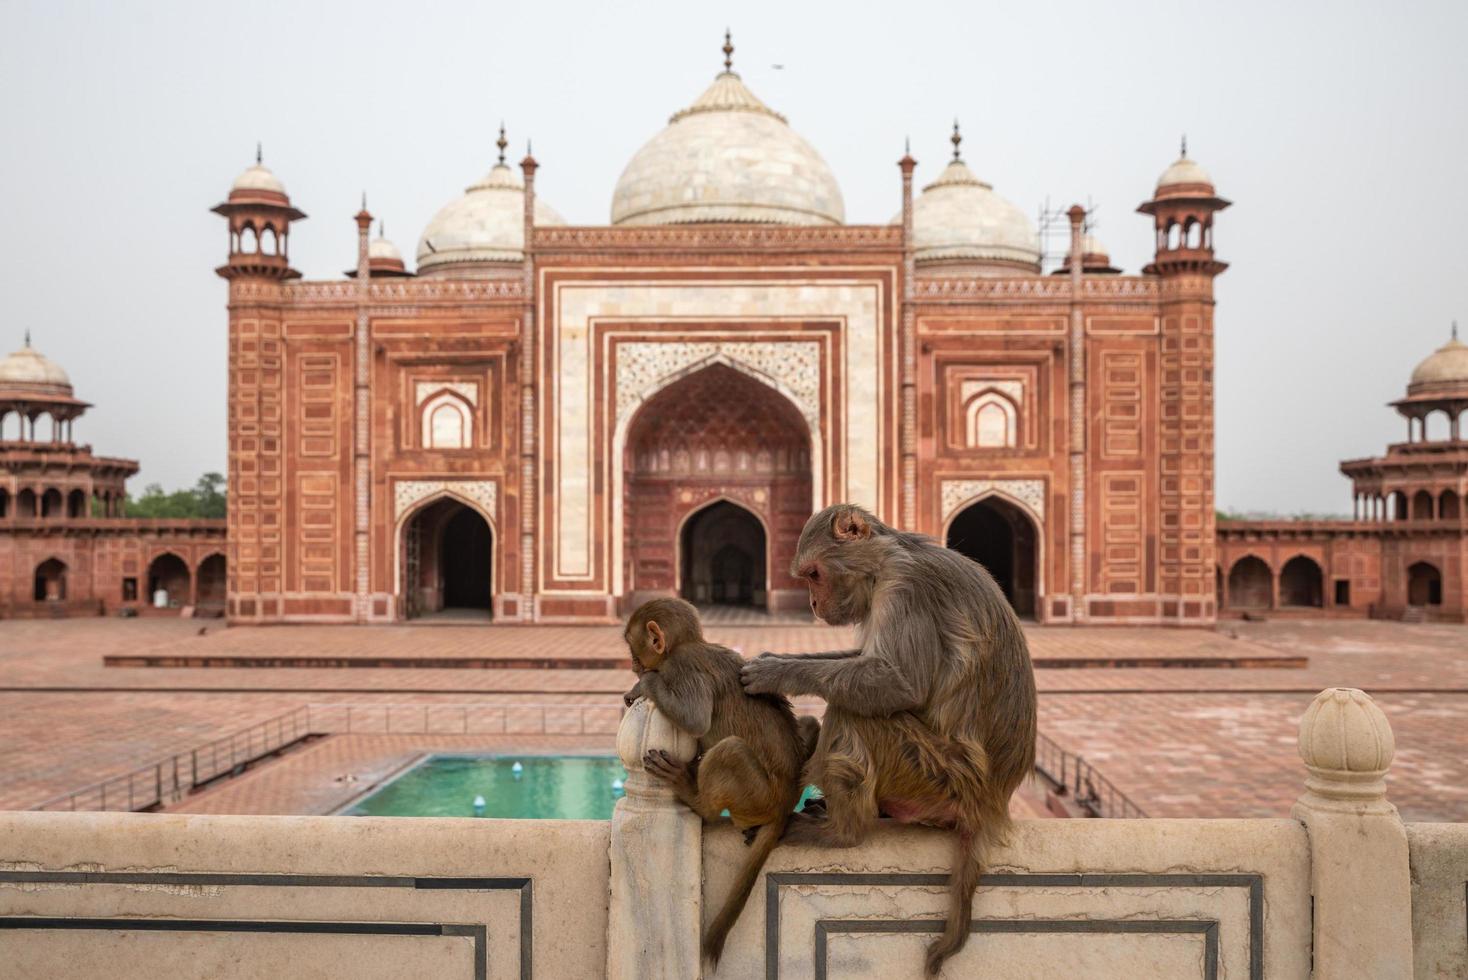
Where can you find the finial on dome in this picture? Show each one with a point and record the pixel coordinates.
(1185, 146)
(955, 139)
(259, 154)
(728, 51)
(502, 143)
(907, 146)
(1455, 329)
(364, 200)
(28, 337)
(381, 229)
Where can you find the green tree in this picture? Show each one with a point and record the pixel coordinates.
(206, 499)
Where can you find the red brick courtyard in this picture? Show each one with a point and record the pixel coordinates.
(1179, 741)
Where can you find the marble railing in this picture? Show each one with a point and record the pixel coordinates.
(1340, 888)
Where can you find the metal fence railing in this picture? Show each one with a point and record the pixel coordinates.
(171, 779)
(1071, 775)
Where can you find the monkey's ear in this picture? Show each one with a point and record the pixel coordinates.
(850, 525)
(655, 636)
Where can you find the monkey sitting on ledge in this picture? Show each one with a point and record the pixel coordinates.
(751, 747)
(932, 721)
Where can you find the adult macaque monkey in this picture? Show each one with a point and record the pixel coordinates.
(751, 747)
(932, 721)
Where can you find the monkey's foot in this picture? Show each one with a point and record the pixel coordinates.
(662, 765)
(749, 835)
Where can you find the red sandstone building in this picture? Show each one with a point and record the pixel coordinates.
(65, 547)
(548, 422)
(1405, 551)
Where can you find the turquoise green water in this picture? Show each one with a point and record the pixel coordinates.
(544, 787)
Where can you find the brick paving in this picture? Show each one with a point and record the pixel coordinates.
(1181, 742)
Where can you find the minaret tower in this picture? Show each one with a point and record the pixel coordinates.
(260, 216)
(1183, 207)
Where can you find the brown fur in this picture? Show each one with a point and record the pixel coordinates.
(751, 747)
(932, 721)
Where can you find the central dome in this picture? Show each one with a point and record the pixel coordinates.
(729, 158)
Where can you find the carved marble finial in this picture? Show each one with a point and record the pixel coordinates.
(728, 51)
(956, 139)
(502, 143)
(1347, 745)
(259, 153)
(644, 728)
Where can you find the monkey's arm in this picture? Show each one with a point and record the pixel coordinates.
(683, 697)
(824, 655)
(637, 692)
(862, 685)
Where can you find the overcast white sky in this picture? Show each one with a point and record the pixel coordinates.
(1340, 131)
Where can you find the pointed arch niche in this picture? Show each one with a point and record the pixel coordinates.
(446, 414)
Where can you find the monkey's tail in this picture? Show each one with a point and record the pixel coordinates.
(968, 868)
(764, 843)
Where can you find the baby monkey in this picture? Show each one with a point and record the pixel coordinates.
(750, 747)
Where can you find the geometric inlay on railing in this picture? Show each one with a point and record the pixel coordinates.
(476, 931)
(830, 914)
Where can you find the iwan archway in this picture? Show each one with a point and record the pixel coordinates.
(717, 487)
(1000, 535)
(446, 562)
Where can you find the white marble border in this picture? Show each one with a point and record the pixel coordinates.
(857, 305)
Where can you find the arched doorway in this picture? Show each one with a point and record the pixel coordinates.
(716, 435)
(1424, 585)
(1301, 583)
(1250, 584)
(51, 503)
(1001, 537)
(722, 557)
(169, 576)
(50, 581)
(448, 562)
(210, 579)
(76, 504)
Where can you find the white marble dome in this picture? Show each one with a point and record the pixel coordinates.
(958, 217)
(29, 371)
(258, 178)
(1183, 173)
(729, 158)
(486, 224)
(381, 248)
(1444, 371)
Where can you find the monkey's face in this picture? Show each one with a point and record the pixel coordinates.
(647, 644)
(836, 559)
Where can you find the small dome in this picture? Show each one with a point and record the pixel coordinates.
(381, 248)
(959, 217)
(730, 158)
(257, 178)
(486, 224)
(29, 372)
(1184, 178)
(1094, 258)
(1444, 372)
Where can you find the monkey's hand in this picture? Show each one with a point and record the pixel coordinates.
(632, 695)
(764, 674)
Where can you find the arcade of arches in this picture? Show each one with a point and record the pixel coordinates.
(1001, 537)
(718, 488)
(448, 562)
(65, 545)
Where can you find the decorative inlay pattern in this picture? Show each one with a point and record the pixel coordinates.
(407, 493)
(1037, 287)
(739, 237)
(643, 368)
(468, 390)
(1031, 493)
(400, 290)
